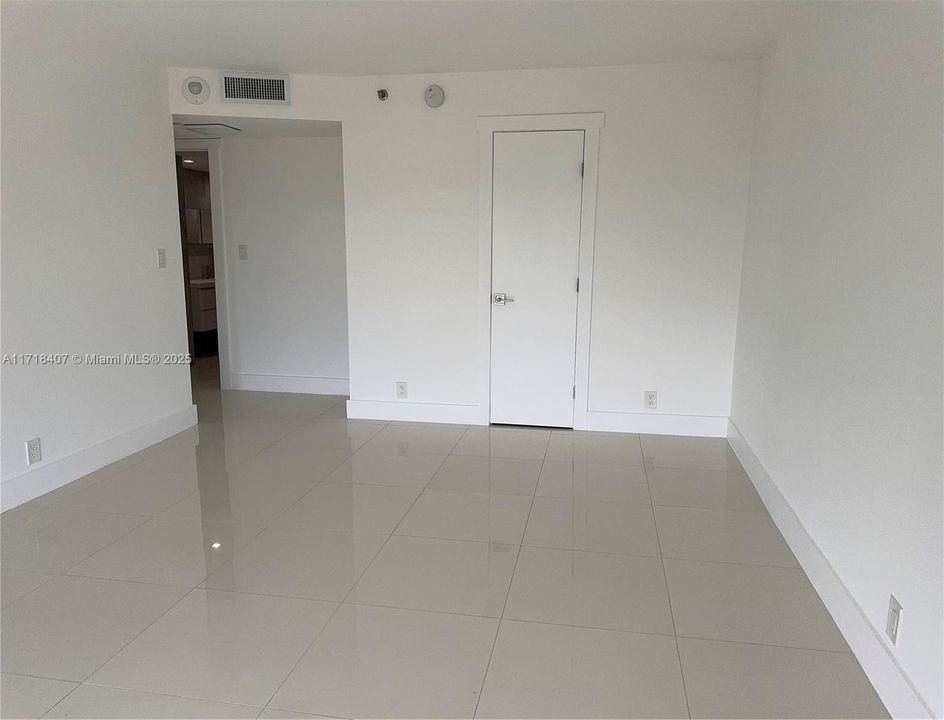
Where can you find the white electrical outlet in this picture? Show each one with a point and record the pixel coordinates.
(893, 622)
(34, 451)
(651, 399)
(401, 391)
(161, 258)
(243, 252)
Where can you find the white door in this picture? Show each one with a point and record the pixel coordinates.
(537, 184)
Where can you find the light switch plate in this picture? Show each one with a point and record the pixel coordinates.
(243, 252)
(161, 258)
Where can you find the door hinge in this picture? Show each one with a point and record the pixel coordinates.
(581, 169)
(575, 392)
(578, 284)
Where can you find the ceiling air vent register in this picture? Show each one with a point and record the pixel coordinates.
(255, 88)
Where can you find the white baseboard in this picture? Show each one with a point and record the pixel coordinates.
(306, 384)
(413, 411)
(891, 682)
(651, 423)
(53, 474)
(654, 423)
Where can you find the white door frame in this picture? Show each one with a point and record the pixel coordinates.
(214, 150)
(591, 124)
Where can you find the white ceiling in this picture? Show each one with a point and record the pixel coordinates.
(253, 127)
(345, 37)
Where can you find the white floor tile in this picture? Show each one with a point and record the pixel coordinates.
(232, 441)
(29, 697)
(503, 442)
(703, 488)
(734, 680)
(550, 671)
(293, 460)
(444, 575)
(509, 476)
(689, 452)
(219, 646)
(409, 438)
(749, 603)
(722, 535)
(54, 539)
(176, 454)
(249, 503)
(460, 515)
(359, 508)
(338, 433)
(295, 406)
(335, 412)
(601, 526)
(594, 447)
(299, 562)
(135, 491)
(21, 512)
(619, 592)
(52, 498)
(373, 467)
(70, 626)
(91, 701)
(15, 584)
(178, 547)
(594, 481)
(382, 662)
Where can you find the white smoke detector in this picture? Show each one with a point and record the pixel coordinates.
(195, 90)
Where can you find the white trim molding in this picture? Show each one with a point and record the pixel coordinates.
(657, 424)
(891, 682)
(55, 473)
(591, 124)
(304, 384)
(413, 412)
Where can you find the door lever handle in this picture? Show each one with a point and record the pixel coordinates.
(503, 299)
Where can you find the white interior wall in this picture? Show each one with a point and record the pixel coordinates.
(88, 196)
(284, 199)
(838, 374)
(673, 175)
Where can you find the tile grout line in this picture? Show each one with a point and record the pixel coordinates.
(62, 699)
(511, 580)
(665, 579)
(150, 692)
(366, 567)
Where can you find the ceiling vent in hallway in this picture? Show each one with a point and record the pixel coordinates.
(255, 88)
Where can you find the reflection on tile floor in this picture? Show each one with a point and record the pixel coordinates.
(283, 561)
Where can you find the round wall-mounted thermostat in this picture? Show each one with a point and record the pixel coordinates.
(434, 96)
(195, 90)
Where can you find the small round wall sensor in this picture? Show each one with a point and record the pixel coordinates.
(195, 90)
(434, 96)
(382, 94)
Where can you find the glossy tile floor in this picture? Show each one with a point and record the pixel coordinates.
(281, 560)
